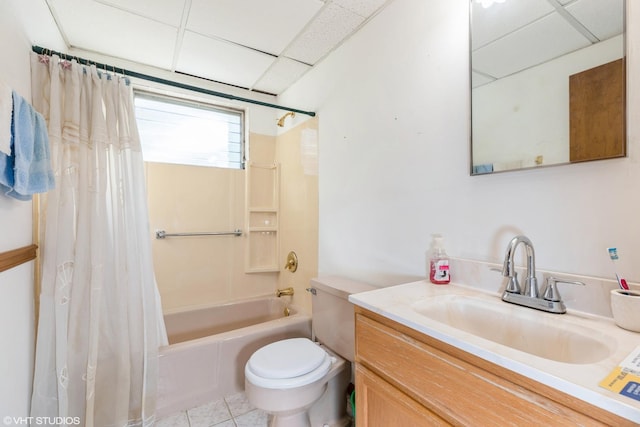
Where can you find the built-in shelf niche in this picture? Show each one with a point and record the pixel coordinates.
(263, 200)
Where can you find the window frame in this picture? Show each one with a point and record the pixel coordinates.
(183, 100)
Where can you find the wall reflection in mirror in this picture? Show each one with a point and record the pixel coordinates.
(548, 83)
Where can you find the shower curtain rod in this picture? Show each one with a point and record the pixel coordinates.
(129, 73)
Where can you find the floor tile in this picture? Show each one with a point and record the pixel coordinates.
(254, 418)
(233, 411)
(177, 420)
(209, 414)
(228, 423)
(238, 404)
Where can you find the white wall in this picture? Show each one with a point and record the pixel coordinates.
(17, 320)
(16, 285)
(393, 105)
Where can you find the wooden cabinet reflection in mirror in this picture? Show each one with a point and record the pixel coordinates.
(597, 113)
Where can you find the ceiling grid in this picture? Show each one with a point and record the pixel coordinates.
(262, 45)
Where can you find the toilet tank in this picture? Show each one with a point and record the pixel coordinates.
(332, 314)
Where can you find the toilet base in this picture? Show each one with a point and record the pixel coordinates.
(299, 419)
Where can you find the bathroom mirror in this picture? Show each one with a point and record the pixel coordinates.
(547, 83)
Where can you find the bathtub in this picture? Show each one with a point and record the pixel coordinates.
(208, 348)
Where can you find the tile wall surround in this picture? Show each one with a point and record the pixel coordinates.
(299, 208)
(192, 272)
(593, 298)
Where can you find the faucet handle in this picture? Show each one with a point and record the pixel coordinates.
(551, 292)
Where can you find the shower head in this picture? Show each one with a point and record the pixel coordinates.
(283, 118)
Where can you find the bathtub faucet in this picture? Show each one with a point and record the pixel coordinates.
(286, 291)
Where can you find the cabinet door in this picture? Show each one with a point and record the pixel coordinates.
(378, 404)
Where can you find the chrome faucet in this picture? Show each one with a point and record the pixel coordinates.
(529, 296)
(508, 269)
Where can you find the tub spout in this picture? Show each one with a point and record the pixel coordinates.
(286, 291)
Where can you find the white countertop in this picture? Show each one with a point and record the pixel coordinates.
(578, 380)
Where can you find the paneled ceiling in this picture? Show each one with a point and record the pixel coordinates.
(517, 34)
(261, 45)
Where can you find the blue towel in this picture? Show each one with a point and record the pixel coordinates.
(28, 170)
(479, 169)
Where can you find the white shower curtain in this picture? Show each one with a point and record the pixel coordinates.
(100, 319)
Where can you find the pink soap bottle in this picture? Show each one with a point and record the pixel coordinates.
(438, 262)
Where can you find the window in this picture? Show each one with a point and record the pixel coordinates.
(190, 133)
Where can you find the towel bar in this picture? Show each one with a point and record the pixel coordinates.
(161, 234)
(15, 257)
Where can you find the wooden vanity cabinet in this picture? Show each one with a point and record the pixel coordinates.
(406, 378)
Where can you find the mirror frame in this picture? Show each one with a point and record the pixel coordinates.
(539, 161)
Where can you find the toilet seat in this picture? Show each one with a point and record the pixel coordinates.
(287, 364)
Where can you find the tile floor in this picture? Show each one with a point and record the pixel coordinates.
(231, 411)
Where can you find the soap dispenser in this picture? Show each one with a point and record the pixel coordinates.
(438, 262)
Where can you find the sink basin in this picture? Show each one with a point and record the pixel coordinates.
(524, 329)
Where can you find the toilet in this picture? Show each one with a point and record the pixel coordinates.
(303, 383)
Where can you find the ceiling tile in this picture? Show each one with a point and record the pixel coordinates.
(363, 8)
(167, 11)
(221, 61)
(268, 26)
(327, 31)
(478, 79)
(95, 27)
(501, 19)
(281, 75)
(258, 44)
(543, 40)
(603, 18)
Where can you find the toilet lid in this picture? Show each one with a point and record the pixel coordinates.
(287, 359)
